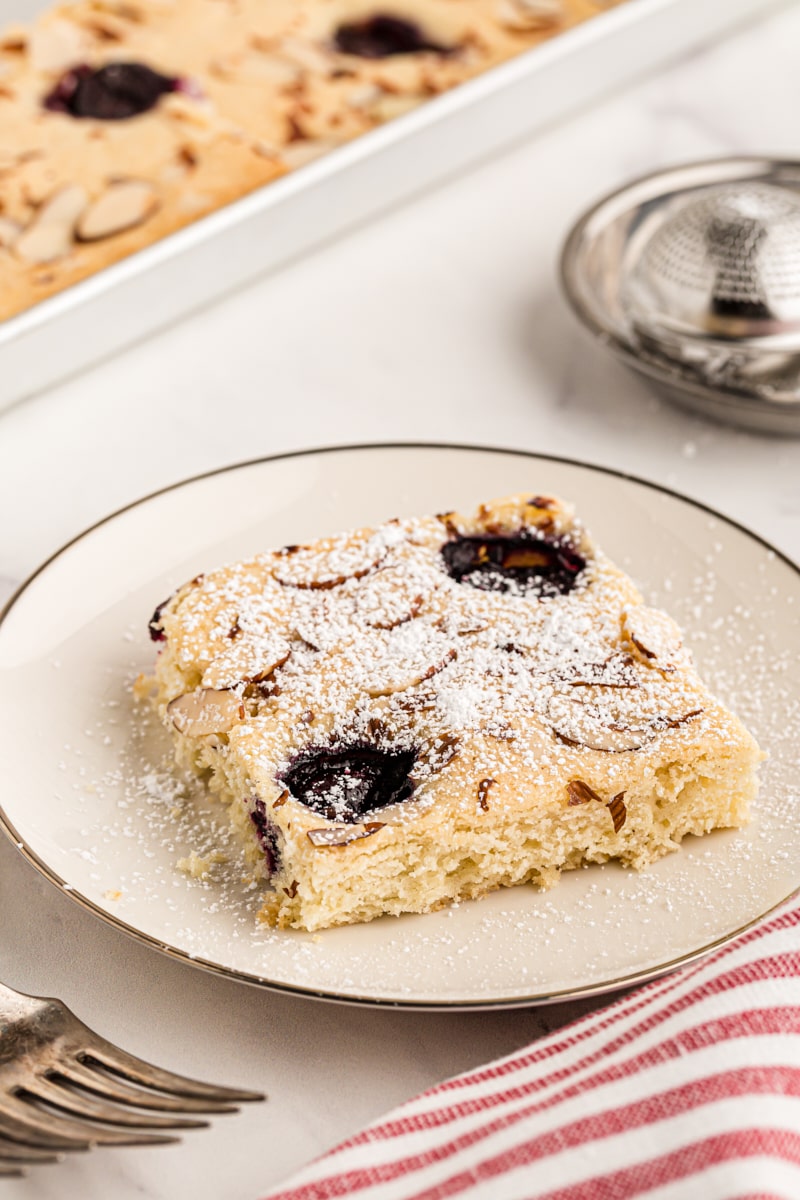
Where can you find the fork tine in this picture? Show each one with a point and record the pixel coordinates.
(16, 1152)
(74, 1103)
(65, 1088)
(44, 1123)
(119, 1062)
(113, 1087)
(40, 1138)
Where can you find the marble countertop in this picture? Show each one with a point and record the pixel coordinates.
(440, 321)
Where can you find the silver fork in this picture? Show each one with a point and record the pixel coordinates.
(63, 1087)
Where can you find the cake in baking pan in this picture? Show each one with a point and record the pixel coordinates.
(123, 120)
(101, 155)
(405, 716)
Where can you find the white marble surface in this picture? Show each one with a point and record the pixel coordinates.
(440, 321)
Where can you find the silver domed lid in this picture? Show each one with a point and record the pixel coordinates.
(724, 264)
(691, 276)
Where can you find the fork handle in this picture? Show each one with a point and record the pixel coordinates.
(20, 1017)
(15, 1005)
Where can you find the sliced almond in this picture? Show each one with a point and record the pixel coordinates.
(266, 150)
(329, 562)
(389, 597)
(56, 46)
(484, 786)
(123, 205)
(580, 792)
(616, 671)
(51, 235)
(389, 106)
(207, 710)
(298, 154)
(654, 637)
(613, 722)
(403, 658)
(434, 755)
(365, 96)
(326, 623)
(64, 207)
(307, 55)
(618, 811)
(676, 722)
(191, 108)
(250, 660)
(527, 16)
(580, 724)
(389, 676)
(343, 835)
(9, 231)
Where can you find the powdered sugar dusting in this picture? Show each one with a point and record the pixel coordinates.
(518, 677)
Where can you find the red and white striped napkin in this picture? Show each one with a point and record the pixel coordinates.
(686, 1089)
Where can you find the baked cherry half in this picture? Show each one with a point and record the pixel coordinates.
(110, 93)
(346, 783)
(548, 566)
(267, 834)
(154, 626)
(382, 36)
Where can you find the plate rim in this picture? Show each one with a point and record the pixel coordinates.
(629, 980)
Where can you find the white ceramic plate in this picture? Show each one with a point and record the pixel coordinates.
(88, 800)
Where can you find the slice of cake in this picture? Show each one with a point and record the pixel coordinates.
(406, 716)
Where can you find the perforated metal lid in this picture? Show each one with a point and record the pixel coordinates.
(725, 263)
(691, 276)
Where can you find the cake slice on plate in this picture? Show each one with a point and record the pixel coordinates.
(415, 714)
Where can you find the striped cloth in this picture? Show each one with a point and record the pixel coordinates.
(686, 1089)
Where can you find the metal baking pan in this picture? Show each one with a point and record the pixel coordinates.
(135, 297)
